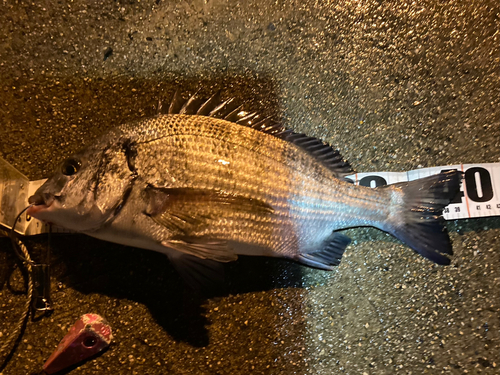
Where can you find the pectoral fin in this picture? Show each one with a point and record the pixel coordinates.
(189, 211)
(189, 214)
(202, 247)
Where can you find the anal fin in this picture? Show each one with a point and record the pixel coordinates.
(329, 256)
(202, 247)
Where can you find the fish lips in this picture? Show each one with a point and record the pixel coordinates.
(40, 203)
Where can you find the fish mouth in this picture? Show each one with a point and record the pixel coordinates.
(34, 210)
(38, 204)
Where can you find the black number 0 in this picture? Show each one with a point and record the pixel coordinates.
(484, 180)
(379, 181)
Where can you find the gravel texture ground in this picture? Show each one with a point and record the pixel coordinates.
(394, 85)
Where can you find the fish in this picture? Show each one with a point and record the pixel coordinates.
(207, 182)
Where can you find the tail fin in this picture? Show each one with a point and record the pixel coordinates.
(418, 220)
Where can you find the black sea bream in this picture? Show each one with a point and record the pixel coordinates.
(207, 182)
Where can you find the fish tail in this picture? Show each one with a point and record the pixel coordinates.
(416, 214)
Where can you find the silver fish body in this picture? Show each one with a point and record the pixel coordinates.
(213, 188)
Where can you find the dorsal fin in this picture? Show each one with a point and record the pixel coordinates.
(176, 103)
(209, 105)
(192, 105)
(230, 110)
(323, 152)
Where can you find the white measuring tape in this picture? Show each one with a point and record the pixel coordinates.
(479, 195)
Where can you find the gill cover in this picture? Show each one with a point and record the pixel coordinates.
(113, 178)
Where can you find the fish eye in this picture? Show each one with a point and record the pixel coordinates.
(70, 167)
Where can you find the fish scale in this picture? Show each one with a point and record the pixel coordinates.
(243, 173)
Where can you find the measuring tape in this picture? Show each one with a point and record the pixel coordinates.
(479, 195)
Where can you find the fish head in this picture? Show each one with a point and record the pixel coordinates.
(87, 189)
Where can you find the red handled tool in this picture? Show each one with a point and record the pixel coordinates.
(88, 336)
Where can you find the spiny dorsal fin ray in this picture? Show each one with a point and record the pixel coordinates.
(224, 109)
(192, 105)
(176, 103)
(247, 120)
(230, 110)
(209, 105)
(234, 115)
(262, 124)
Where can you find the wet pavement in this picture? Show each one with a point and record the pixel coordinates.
(393, 85)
